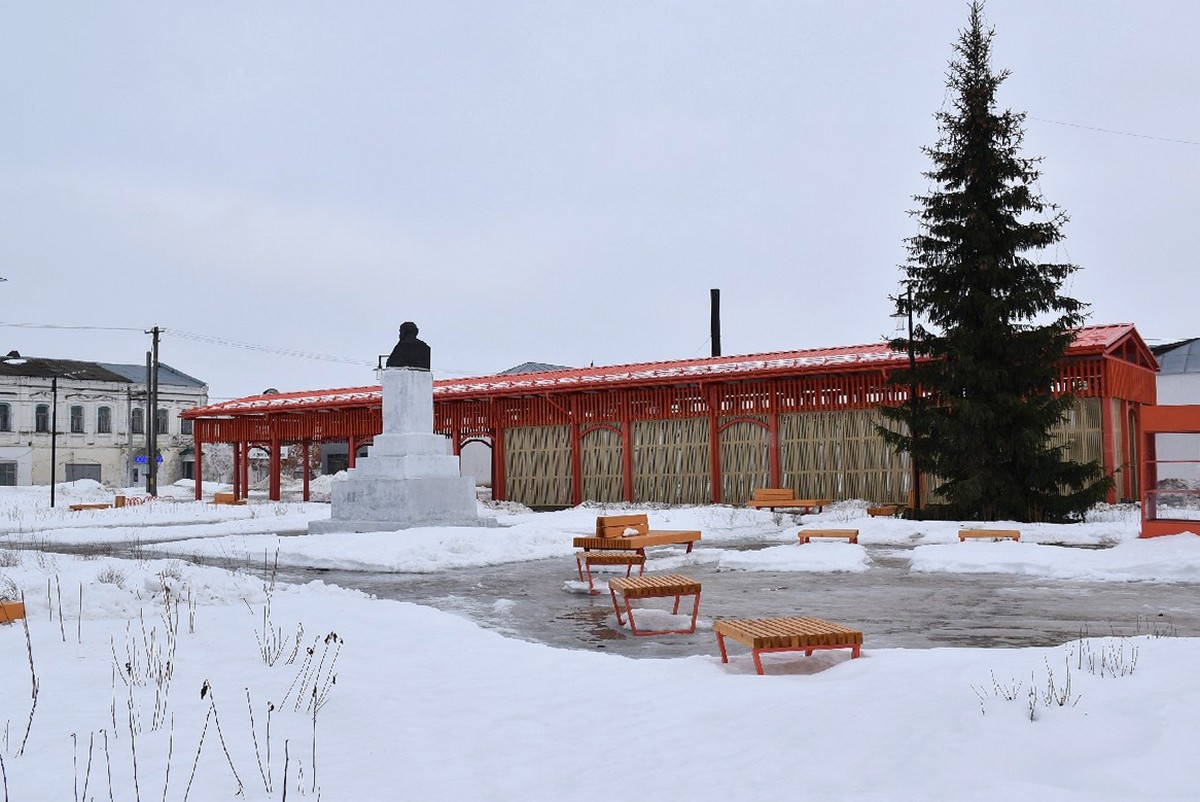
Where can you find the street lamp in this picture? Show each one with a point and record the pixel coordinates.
(906, 303)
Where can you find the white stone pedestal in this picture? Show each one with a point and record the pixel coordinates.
(407, 479)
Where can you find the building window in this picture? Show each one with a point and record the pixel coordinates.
(41, 418)
(8, 474)
(185, 427)
(104, 420)
(5, 418)
(137, 421)
(76, 420)
(162, 423)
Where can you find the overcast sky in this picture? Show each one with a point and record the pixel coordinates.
(559, 182)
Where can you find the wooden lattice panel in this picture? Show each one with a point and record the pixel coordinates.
(745, 461)
(538, 465)
(1082, 431)
(671, 461)
(840, 455)
(601, 463)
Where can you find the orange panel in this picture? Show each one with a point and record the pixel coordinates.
(1182, 418)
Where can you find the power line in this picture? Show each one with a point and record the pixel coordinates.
(1118, 133)
(70, 328)
(211, 340)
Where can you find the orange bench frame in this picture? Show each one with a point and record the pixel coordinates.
(584, 560)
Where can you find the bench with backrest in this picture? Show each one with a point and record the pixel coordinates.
(994, 534)
(777, 498)
(806, 535)
(633, 533)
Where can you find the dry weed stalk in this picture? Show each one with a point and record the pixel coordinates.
(33, 681)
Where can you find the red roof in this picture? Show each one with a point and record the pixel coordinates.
(1088, 340)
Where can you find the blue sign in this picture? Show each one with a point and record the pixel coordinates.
(141, 459)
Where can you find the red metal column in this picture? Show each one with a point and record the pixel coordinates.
(773, 460)
(499, 479)
(1106, 418)
(198, 462)
(576, 461)
(353, 446)
(238, 490)
(627, 449)
(244, 470)
(714, 447)
(276, 470)
(307, 454)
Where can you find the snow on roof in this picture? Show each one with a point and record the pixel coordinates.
(1092, 339)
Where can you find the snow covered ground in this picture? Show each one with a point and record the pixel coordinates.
(161, 679)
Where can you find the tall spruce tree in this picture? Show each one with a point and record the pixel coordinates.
(995, 323)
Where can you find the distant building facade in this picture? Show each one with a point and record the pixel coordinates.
(99, 414)
(1179, 372)
(1179, 384)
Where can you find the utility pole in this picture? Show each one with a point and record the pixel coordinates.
(53, 435)
(152, 423)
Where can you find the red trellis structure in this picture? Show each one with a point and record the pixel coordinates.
(691, 431)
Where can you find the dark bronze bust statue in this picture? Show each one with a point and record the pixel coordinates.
(409, 352)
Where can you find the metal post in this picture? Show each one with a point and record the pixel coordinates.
(912, 401)
(53, 436)
(152, 446)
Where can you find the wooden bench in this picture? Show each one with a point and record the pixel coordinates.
(807, 534)
(786, 635)
(227, 498)
(97, 506)
(11, 611)
(584, 560)
(884, 511)
(784, 499)
(648, 587)
(996, 534)
(633, 533)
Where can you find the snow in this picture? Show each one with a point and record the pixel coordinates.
(417, 703)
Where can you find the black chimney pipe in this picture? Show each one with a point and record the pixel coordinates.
(715, 296)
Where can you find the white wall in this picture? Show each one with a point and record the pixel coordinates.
(1178, 389)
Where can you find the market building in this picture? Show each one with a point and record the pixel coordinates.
(693, 431)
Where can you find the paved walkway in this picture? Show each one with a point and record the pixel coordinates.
(893, 608)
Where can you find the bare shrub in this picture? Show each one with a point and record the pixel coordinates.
(9, 558)
(111, 575)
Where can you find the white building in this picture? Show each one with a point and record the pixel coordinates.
(99, 414)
